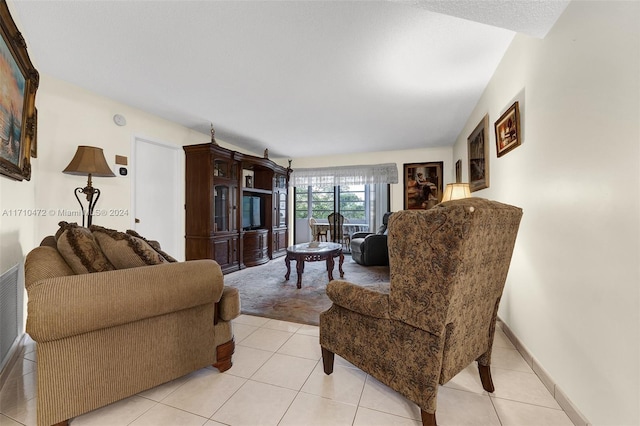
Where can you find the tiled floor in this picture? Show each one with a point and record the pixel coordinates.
(277, 379)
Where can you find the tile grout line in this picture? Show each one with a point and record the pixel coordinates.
(560, 397)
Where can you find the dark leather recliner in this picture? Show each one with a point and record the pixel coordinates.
(371, 249)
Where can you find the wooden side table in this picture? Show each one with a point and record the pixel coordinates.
(303, 253)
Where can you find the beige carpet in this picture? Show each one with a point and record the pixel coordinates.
(264, 291)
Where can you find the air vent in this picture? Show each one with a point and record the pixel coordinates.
(10, 309)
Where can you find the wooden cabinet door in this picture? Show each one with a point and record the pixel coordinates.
(225, 252)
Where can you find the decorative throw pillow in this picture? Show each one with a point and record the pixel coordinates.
(154, 244)
(125, 251)
(63, 227)
(80, 250)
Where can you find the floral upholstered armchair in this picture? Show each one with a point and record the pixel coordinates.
(448, 267)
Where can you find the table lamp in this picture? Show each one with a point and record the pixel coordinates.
(88, 161)
(456, 191)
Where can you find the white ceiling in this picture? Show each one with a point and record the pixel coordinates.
(296, 77)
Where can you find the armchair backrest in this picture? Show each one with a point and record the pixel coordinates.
(385, 223)
(336, 221)
(448, 267)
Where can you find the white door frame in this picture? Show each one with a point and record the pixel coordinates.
(179, 189)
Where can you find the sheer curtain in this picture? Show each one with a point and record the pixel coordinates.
(346, 175)
(376, 176)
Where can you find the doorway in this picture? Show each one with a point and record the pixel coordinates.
(158, 194)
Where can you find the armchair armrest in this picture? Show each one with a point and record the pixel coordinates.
(359, 299)
(360, 235)
(70, 305)
(376, 239)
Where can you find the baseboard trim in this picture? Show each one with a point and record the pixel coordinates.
(15, 355)
(561, 398)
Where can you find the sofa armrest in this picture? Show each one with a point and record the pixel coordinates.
(359, 299)
(70, 305)
(228, 308)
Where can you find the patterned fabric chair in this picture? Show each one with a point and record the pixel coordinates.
(448, 268)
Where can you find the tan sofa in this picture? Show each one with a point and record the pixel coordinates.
(105, 336)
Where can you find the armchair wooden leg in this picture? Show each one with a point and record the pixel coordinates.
(223, 355)
(327, 361)
(428, 419)
(485, 377)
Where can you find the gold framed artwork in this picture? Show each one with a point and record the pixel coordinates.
(478, 151)
(508, 130)
(422, 185)
(18, 120)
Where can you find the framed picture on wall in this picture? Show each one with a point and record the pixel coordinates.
(459, 171)
(17, 104)
(508, 130)
(422, 185)
(478, 151)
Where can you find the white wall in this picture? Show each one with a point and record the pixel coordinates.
(70, 116)
(572, 294)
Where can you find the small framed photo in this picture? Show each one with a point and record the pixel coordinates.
(508, 130)
(478, 150)
(422, 185)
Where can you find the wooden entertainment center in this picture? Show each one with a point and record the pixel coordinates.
(235, 207)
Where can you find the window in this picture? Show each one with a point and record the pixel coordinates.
(359, 192)
(359, 204)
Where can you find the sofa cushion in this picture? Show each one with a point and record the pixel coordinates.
(80, 250)
(124, 250)
(154, 244)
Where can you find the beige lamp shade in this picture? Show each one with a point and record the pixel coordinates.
(89, 160)
(456, 191)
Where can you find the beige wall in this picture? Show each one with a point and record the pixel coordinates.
(70, 116)
(16, 230)
(572, 293)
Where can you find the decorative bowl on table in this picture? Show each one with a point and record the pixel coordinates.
(314, 244)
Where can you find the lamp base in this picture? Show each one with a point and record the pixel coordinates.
(89, 191)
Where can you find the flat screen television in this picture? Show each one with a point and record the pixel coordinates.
(251, 212)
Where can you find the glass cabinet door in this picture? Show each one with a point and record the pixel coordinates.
(221, 168)
(224, 168)
(282, 210)
(233, 207)
(221, 208)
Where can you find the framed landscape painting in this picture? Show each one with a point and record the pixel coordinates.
(422, 185)
(17, 101)
(508, 130)
(478, 151)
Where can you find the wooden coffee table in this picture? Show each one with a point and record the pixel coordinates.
(303, 253)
